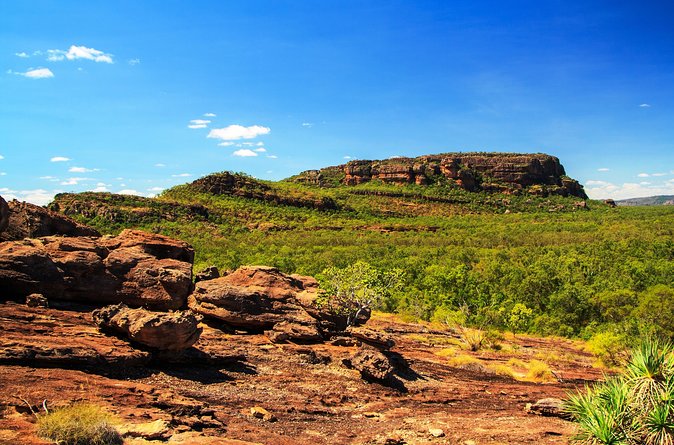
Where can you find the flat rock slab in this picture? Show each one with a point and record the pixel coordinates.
(54, 338)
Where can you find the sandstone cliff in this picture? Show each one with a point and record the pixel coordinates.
(538, 174)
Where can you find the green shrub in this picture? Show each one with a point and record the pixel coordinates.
(609, 347)
(79, 424)
(634, 408)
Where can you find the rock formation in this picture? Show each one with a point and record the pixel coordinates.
(172, 331)
(494, 172)
(372, 364)
(136, 268)
(19, 220)
(226, 183)
(4, 215)
(260, 298)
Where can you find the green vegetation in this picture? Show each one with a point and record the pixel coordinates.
(545, 267)
(78, 424)
(636, 407)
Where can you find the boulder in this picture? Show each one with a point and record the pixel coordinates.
(373, 338)
(372, 364)
(289, 331)
(25, 220)
(173, 331)
(259, 298)
(549, 407)
(209, 273)
(36, 300)
(136, 268)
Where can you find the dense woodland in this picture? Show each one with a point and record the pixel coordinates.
(545, 265)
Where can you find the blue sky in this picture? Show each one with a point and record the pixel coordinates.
(137, 96)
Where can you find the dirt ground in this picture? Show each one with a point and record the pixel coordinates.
(311, 395)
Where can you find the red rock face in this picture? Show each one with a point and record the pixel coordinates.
(24, 220)
(473, 172)
(136, 268)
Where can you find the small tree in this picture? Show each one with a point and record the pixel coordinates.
(356, 289)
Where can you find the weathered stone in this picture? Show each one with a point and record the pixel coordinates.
(4, 214)
(60, 339)
(36, 300)
(372, 364)
(164, 331)
(436, 432)
(209, 273)
(159, 429)
(155, 273)
(260, 413)
(258, 298)
(496, 172)
(373, 338)
(289, 331)
(27, 220)
(549, 407)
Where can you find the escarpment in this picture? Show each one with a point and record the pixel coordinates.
(538, 174)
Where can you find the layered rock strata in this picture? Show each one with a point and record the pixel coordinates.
(137, 268)
(493, 172)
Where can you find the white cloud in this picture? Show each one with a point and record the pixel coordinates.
(247, 144)
(195, 126)
(22, 54)
(603, 190)
(272, 157)
(78, 52)
(133, 62)
(3, 174)
(244, 153)
(37, 196)
(200, 121)
(2, 157)
(74, 181)
(643, 175)
(82, 170)
(182, 175)
(37, 73)
(645, 105)
(603, 169)
(101, 188)
(645, 183)
(235, 132)
(260, 144)
(209, 114)
(261, 150)
(160, 165)
(59, 159)
(82, 52)
(307, 124)
(659, 174)
(128, 192)
(155, 189)
(225, 144)
(48, 178)
(347, 157)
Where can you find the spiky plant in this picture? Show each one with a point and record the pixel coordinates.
(636, 408)
(648, 370)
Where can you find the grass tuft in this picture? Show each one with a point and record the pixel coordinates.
(78, 424)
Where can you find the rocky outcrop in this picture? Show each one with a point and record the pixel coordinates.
(125, 208)
(164, 331)
(226, 183)
(372, 364)
(260, 298)
(136, 268)
(4, 214)
(58, 338)
(19, 220)
(209, 273)
(495, 172)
